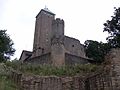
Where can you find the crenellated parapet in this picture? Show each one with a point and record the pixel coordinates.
(58, 21)
(58, 27)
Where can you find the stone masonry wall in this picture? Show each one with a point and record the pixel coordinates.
(100, 81)
(113, 60)
(72, 59)
(53, 59)
(74, 47)
(43, 59)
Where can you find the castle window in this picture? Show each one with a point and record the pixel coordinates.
(72, 45)
(42, 50)
(39, 48)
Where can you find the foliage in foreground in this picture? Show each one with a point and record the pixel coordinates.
(5, 82)
(6, 46)
(47, 70)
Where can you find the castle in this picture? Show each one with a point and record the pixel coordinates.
(50, 45)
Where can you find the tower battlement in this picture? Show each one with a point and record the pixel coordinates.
(58, 28)
(58, 21)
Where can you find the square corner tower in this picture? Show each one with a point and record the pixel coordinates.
(43, 32)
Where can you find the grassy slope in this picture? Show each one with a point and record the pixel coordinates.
(47, 70)
(5, 82)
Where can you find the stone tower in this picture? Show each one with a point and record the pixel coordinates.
(43, 32)
(57, 43)
(51, 46)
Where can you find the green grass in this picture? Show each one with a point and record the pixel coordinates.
(47, 70)
(6, 84)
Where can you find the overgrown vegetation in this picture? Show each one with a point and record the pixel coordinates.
(47, 70)
(5, 82)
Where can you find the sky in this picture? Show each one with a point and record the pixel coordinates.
(84, 19)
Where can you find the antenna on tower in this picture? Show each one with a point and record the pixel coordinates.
(46, 7)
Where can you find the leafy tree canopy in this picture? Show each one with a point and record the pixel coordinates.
(6, 46)
(96, 50)
(113, 28)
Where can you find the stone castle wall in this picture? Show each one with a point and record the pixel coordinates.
(43, 59)
(113, 61)
(73, 46)
(49, 59)
(73, 59)
(101, 81)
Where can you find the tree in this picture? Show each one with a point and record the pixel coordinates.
(6, 46)
(96, 50)
(113, 28)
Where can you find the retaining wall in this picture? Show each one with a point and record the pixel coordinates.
(29, 82)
